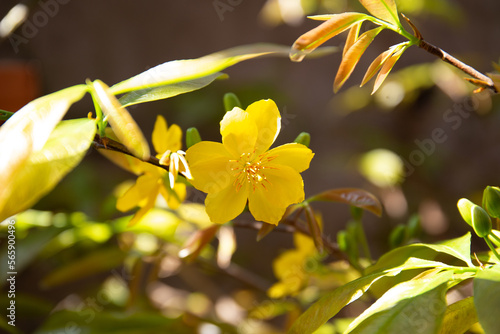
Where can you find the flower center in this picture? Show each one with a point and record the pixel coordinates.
(252, 171)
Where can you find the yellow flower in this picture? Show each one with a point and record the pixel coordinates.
(154, 180)
(241, 168)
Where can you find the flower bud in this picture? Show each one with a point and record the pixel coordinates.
(303, 138)
(465, 208)
(192, 137)
(481, 221)
(231, 101)
(397, 236)
(491, 201)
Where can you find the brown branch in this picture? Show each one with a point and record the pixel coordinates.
(485, 81)
(104, 143)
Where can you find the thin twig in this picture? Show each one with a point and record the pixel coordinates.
(100, 143)
(488, 83)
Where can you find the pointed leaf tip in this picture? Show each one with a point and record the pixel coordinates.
(383, 9)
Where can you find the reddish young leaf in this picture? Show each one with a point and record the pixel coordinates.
(356, 197)
(351, 58)
(352, 37)
(376, 65)
(196, 242)
(387, 67)
(317, 36)
(383, 9)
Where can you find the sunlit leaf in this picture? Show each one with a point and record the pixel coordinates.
(189, 69)
(317, 36)
(376, 65)
(101, 260)
(458, 248)
(28, 130)
(383, 9)
(44, 168)
(395, 311)
(164, 92)
(124, 126)
(487, 298)
(331, 303)
(352, 56)
(387, 67)
(352, 37)
(459, 317)
(356, 197)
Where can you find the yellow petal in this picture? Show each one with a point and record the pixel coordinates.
(159, 136)
(147, 205)
(226, 204)
(210, 166)
(267, 117)
(175, 196)
(293, 155)
(269, 202)
(239, 132)
(174, 138)
(145, 185)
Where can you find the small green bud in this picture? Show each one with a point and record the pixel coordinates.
(303, 138)
(481, 221)
(231, 101)
(491, 201)
(342, 240)
(192, 137)
(413, 226)
(397, 236)
(465, 208)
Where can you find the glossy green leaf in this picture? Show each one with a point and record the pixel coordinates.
(330, 304)
(98, 261)
(459, 317)
(44, 168)
(122, 123)
(352, 56)
(335, 24)
(167, 91)
(27, 131)
(458, 248)
(413, 307)
(487, 298)
(383, 9)
(189, 69)
(356, 197)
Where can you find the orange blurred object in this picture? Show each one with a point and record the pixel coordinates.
(19, 84)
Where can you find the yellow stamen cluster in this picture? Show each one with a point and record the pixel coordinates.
(251, 170)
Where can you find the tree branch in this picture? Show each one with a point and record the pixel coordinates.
(104, 143)
(485, 81)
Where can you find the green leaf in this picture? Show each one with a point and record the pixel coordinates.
(89, 264)
(122, 123)
(458, 248)
(330, 304)
(487, 298)
(356, 197)
(27, 131)
(44, 168)
(416, 306)
(334, 25)
(459, 317)
(164, 92)
(184, 70)
(383, 9)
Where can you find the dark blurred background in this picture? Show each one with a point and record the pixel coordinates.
(113, 40)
